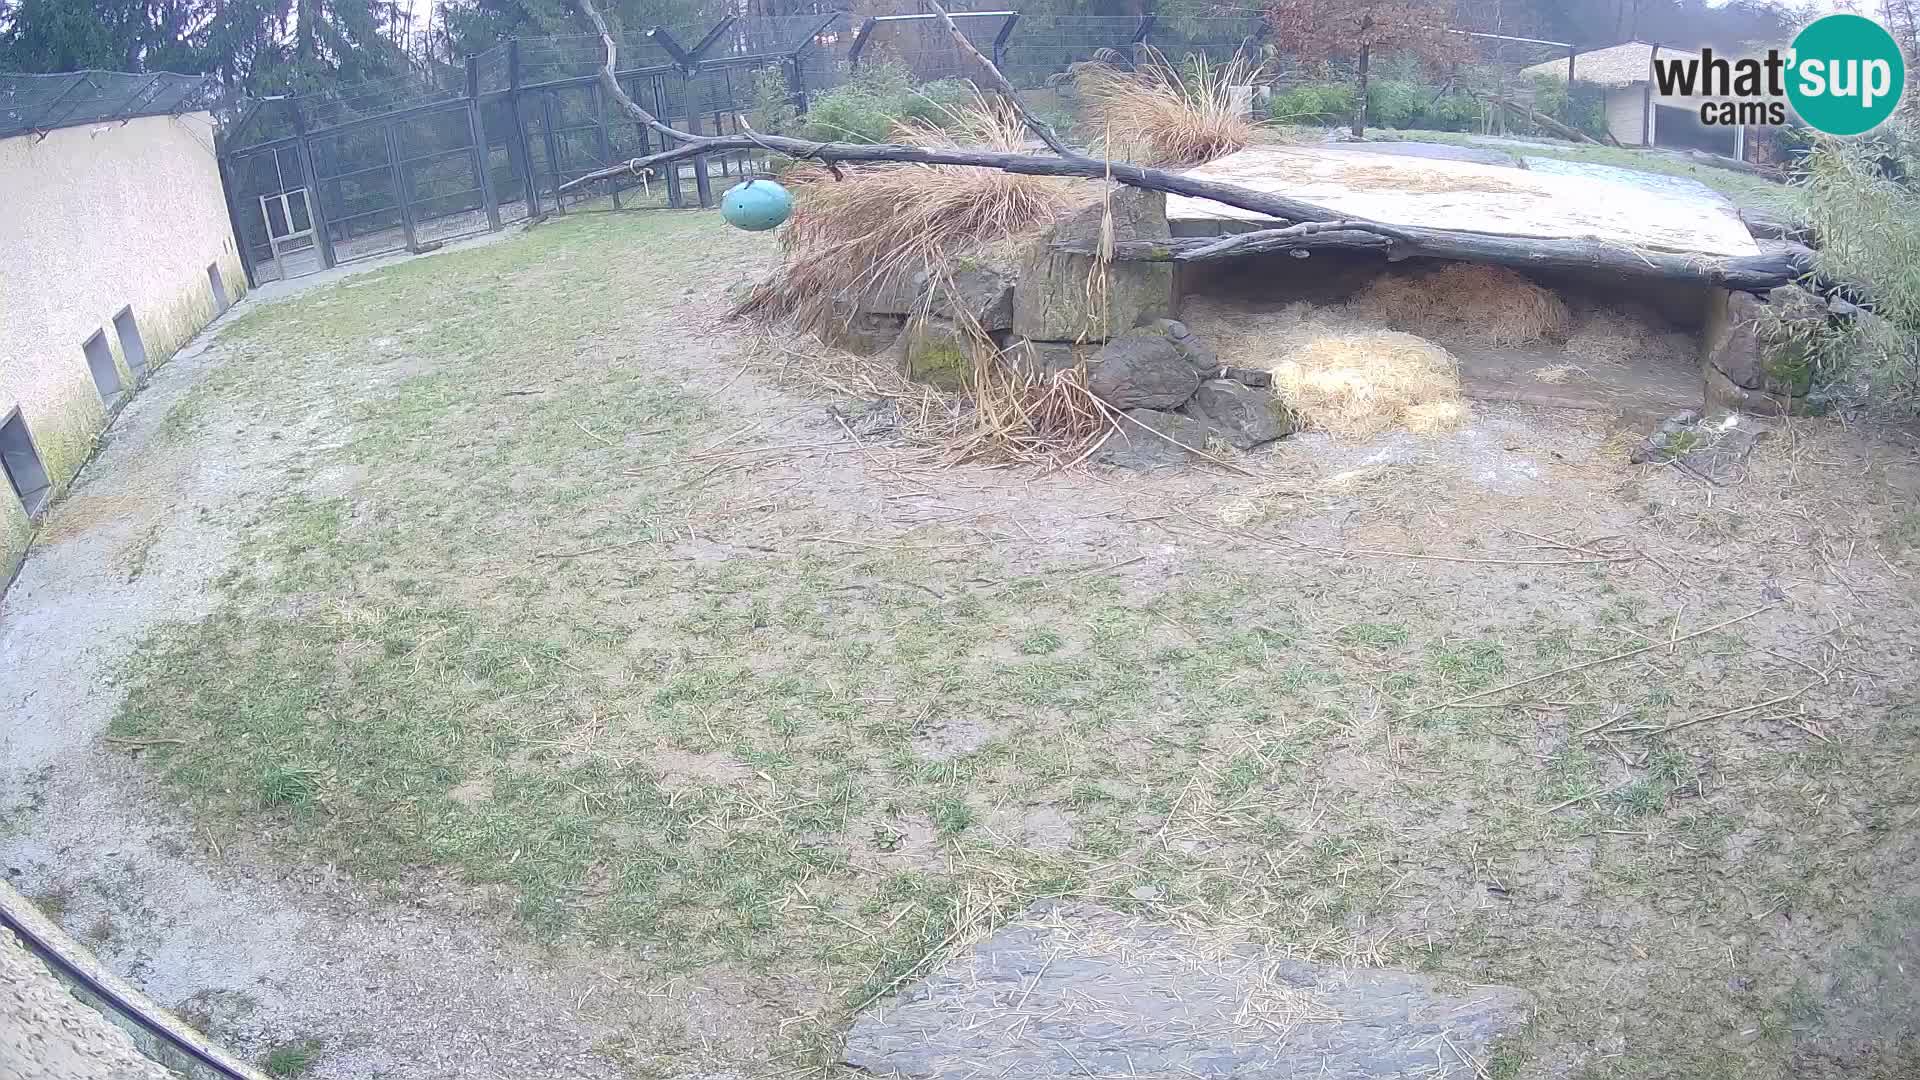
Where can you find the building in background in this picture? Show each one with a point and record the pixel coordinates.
(1636, 113)
(116, 248)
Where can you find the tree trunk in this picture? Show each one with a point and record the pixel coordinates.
(1360, 105)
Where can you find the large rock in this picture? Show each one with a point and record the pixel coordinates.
(975, 292)
(1042, 359)
(1078, 990)
(864, 332)
(1742, 369)
(1142, 369)
(1052, 301)
(1153, 438)
(970, 289)
(936, 351)
(1239, 415)
(1197, 353)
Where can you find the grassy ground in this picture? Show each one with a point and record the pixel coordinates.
(564, 608)
(1777, 201)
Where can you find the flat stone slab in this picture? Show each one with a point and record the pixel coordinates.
(1439, 152)
(1078, 990)
(1470, 196)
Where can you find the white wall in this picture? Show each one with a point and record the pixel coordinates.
(94, 219)
(1626, 114)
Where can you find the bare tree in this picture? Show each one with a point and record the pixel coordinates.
(1357, 30)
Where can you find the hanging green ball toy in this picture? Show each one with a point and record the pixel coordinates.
(756, 206)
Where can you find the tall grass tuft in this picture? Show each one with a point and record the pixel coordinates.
(1164, 115)
(885, 223)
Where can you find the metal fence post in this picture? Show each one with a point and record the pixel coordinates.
(674, 197)
(1000, 40)
(316, 206)
(553, 150)
(606, 144)
(482, 172)
(400, 187)
(799, 86)
(520, 143)
(702, 185)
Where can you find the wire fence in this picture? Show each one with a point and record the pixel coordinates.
(40, 103)
(358, 170)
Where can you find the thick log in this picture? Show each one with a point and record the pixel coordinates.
(1752, 273)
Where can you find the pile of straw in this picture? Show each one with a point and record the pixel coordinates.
(1488, 305)
(1356, 384)
(1161, 115)
(885, 223)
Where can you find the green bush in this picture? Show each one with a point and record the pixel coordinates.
(1869, 228)
(1313, 103)
(1395, 104)
(867, 107)
(1391, 103)
(770, 107)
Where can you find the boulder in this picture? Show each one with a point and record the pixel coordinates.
(1142, 369)
(1041, 359)
(864, 332)
(1742, 370)
(936, 351)
(1241, 416)
(1248, 376)
(896, 294)
(1132, 448)
(969, 289)
(1052, 301)
(1197, 352)
(977, 292)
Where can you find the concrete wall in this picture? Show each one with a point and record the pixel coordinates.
(1627, 114)
(94, 219)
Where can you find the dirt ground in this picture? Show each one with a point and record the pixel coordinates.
(488, 666)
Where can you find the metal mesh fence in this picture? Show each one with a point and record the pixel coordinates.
(45, 102)
(356, 170)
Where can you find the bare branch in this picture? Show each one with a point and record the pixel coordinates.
(611, 84)
(1005, 88)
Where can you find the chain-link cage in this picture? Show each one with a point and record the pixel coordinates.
(30, 103)
(398, 164)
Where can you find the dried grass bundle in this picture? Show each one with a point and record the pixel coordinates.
(1356, 384)
(885, 223)
(1466, 301)
(1154, 112)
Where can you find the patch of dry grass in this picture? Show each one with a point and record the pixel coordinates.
(1163, 115)
(1487, 304)
(884, 223)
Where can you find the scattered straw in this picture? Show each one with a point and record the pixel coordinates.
(1164, 115)
(1468, 302)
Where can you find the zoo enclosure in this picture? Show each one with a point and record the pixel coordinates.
(404, 164)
